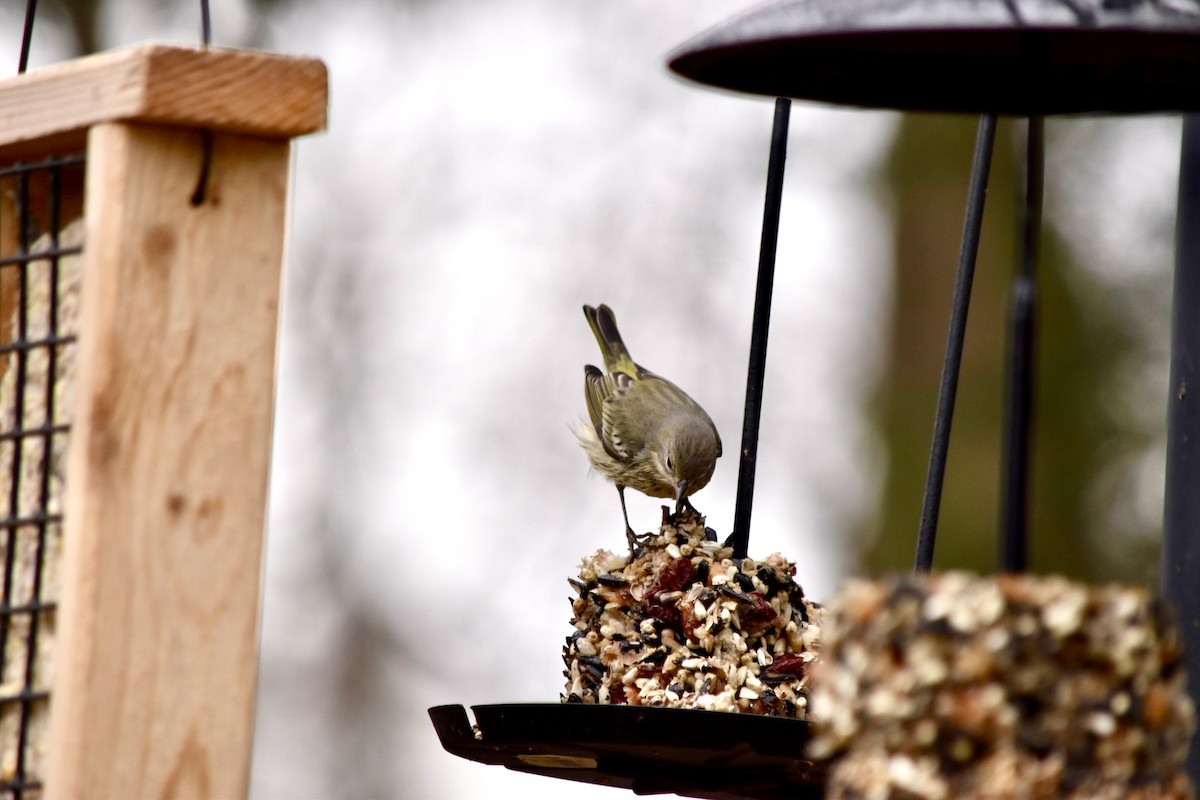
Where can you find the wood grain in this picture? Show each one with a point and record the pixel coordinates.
(156, 663)
(49, 109)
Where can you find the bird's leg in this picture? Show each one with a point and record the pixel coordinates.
(629, 534)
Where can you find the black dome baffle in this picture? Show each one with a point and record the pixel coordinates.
(1019, 57)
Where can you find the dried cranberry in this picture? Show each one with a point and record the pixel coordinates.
(677, 574)
(787, 664)
(758, 614)
(616, 694)
(664, 612)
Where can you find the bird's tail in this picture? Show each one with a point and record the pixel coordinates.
(604, 326)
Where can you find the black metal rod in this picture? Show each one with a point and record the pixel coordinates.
(1015, 485)
(1181, 512)
(27, 36)
(976, 193)
(36, 166)
(20, 367)
(205, 24)
(740, 540)
(54, 192)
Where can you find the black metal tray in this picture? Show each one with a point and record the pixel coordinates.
(708, 754)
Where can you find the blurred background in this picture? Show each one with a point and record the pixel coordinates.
(489, 168)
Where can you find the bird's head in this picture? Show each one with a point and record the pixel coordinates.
(688, 454)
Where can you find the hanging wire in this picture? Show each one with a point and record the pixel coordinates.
(27, 37)
(206, 140)
(205, 24)
(740, 538)
(976, 194)
(1022, 329)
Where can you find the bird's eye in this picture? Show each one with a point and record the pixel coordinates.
(670, 465)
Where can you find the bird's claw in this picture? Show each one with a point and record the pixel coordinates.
(635, 547)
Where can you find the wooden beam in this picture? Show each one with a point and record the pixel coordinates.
(156, 660)
(50, 109)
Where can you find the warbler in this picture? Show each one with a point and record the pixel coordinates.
(645, 432)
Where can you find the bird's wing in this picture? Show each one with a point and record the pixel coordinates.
(619, 439)
(604, 394)
(594, 393)
(607, 396)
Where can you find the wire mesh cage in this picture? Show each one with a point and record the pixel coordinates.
(40, 247)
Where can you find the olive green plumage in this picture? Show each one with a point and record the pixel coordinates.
(645, 432)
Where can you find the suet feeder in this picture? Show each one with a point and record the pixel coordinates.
(1024, 58)
(142, 209)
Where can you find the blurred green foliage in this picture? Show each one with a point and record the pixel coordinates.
(928, 173)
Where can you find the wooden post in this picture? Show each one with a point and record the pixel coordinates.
(156, 657)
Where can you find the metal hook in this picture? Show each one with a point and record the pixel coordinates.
(207, 140)
(206, 145)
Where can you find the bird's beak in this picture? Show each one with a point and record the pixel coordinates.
(680, 493)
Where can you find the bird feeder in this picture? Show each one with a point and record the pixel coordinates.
(142, 210)
(1025, 58)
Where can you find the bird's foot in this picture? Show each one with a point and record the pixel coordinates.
(635, 547)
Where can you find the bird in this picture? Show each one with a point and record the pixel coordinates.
(642, 431)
